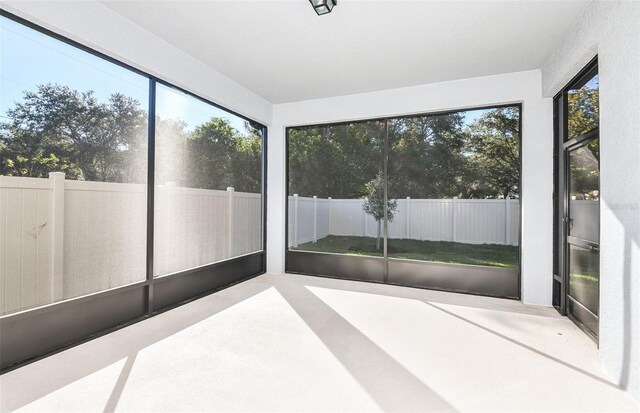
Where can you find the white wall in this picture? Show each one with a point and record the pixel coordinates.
(100, 28)
(537, 167)
(612, 31)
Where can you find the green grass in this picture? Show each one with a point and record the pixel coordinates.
(493, 255)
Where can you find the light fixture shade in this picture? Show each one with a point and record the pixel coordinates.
(323, 6)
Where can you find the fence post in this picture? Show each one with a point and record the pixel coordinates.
(364, 221)
(329, 215)
(295, 220)
(315, 218)
(230, 191)
(408, 231)
(57, 218)
(173, 234)
(507, 224)
(454, 228)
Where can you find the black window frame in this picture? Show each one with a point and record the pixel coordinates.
(38, 332)
(361, 268)
(560, 201)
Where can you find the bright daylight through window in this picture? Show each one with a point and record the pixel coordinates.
(452, 186)
(74, 175)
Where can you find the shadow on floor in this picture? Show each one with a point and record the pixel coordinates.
(432, 298)
(524, 346)
(391, 385)
(114, 398)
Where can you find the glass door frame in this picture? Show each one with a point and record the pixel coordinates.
(562, 148)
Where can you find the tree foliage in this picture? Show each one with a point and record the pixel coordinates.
(334, 161)
(60, 129)
(57, 129)
(493, 155)
(583, 117)
(434, 156)
(374, 204)
(583, 108)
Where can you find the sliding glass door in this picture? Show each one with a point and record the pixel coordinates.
(434, 196)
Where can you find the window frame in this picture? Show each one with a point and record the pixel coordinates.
(560, 167)
(141, 299)
(341, 265)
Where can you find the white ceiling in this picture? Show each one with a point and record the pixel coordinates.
(284, 52)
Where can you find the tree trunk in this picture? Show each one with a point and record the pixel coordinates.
(378, 238)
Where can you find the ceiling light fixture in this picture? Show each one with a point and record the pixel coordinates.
(323, 6)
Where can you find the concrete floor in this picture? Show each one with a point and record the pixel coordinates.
(294, 343)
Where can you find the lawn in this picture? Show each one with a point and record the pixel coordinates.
(493, 255)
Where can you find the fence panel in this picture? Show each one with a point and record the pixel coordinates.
(247, 229)
(475, 221)
(25, 242)
(514, 225)
(104, 236)
(305, 220)
(431, 220)
(62, 238)
(323, 218)
(480, 221)
(291, 222)
(347, 217)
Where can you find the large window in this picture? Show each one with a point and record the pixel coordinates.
(74, 170)
(208, 179)
(335, 168)
(434, 196)
(75, 176)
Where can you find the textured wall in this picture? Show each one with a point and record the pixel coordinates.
(611, 30)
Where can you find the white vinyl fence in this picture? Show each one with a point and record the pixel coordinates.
(63, 238)
(472, 221)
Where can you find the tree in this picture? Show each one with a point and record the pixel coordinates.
(583, 117)
(493, 154)
(60, 129)
(36, 166)
(431, 156)
(374, 204)
(213, 156)
(425, 156)
(210, 148)
(335, 160)
(584, 112)
(246, 162)
(57, 129)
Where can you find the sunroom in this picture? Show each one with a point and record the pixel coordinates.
(319, 206)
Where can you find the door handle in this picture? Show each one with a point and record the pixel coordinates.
(569, 222)
(593, 248)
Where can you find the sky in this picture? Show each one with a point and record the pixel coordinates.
(30, 58)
